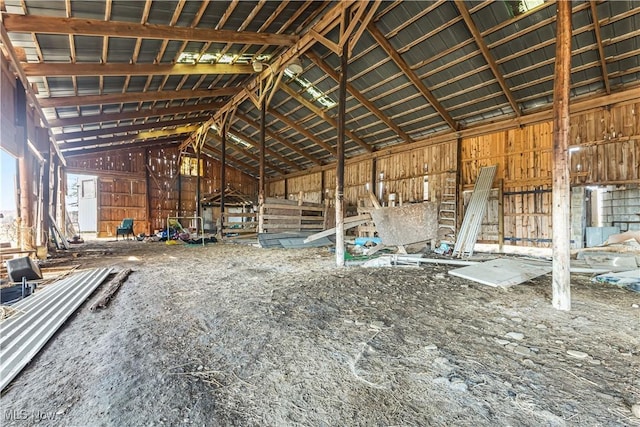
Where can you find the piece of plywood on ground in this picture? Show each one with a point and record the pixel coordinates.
(501, 272)
(406, 224)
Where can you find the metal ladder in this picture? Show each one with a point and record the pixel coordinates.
(447, 212)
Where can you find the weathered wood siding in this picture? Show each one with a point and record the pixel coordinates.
(123, 191)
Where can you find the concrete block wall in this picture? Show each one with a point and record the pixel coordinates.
(578, 217)
(621, 205)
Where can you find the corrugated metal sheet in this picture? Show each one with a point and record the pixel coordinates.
(39, 317)
(466, 239)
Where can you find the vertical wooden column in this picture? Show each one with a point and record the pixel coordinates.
(148, 189)
(261, 182)
(55, 168)
(198, 183)
(223, 174)
(342, 98)
(561, 189)
(43, 135)
(500, 215)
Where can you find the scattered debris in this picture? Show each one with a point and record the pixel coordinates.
(111, 289)
(404, 225)
(502, 272)
(628, 279)
(471, 223)
(291, 240)
(577, 354)
(40, 317)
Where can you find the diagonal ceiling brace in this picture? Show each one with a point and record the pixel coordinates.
(359, 96)
(325, 116)
(596, 30)
(487, 55)
(411, 75)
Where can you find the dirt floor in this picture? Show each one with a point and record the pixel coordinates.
(231, 334)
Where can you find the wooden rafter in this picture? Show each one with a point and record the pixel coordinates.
(112, 69)
(131, 115)
(217, 154)
(596, 30)
(487, 55)
(117, 98)
(269, 151)
(359, 96)
(303, 131)
(123, 144)
(126, 129)
(417, 82)
(324, 115)
(119, 139)
(245, 152)
(277, 138)
(322, 26)
(96, 27)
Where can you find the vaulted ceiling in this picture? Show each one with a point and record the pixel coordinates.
(117, 74)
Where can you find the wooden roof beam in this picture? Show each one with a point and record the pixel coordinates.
(269, 151)
(411, 75)
(118, 98)
(113, 69)
(123, 145)
(274, 136)
(359, 96)
(596, 30)
(132, 115)
(243, 151)
(173, 133)
(95, 27)
(324, 115)
(126, 129)
(239, 164)
(325, 24)
(301, 130)
(475, 33)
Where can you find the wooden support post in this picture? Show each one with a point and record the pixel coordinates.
(223, 175)
(342, 98)
(459, 186)
(374, 176)
(262, 177)
(46, 196)
(148, 190)
(561, 188)
(55, 168)
(198, 180)
(500, 214)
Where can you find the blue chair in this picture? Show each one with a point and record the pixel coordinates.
(125, 228)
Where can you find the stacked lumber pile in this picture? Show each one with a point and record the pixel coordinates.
(280, 215)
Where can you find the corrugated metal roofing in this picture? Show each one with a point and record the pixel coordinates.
(431, 38)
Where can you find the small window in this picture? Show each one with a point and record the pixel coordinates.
(189, 166)
(518, 7)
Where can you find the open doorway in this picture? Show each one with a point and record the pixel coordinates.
(82, 202)
(8, 197)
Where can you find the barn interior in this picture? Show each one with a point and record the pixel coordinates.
(320, 213)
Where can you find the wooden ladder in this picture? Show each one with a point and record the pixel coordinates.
(447, 212)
